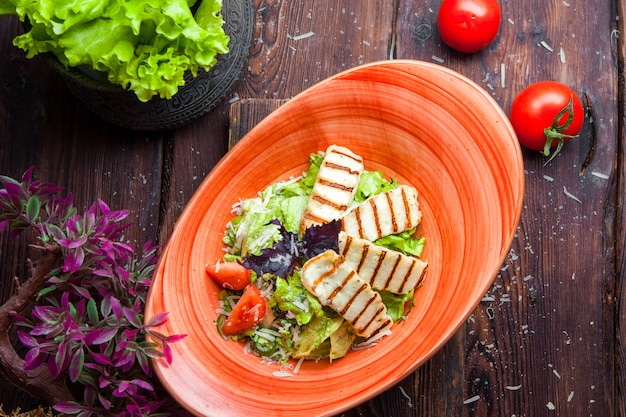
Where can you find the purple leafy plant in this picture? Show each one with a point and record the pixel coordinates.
(84, 325)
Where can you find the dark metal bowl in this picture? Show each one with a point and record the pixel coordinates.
(197, 97)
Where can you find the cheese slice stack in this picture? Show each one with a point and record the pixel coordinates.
(382, 268)
(384, 214)
(337, 285)
(334, 187)
(348, 281)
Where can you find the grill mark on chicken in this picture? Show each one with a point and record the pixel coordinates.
(312, 218)
(381, 268)
(357, 213)
(354, 157)
(374, 317)
(381, 260)
(383, 325)
(332, 204)
(336, 185)
(341, 286)
(393, 273)
(376, 216)
(394, 221)
(347, 246)
(337, 285)
(363, 258)
(406, 277)
(388, 213)
(331, 271)
(354, 321)
(354, 297)
(407, 209)
(341, 167)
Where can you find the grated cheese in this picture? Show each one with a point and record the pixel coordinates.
(472, 399)
(296, 369)
(371, 341)
(550, 406)
(600, 175)
(405, 395)
(234, 99)
(303, 36)
(282, 374)
(570, 195)
(502, 75)
(562, 55)
(437, 59)
(302, 306)
(545, 45)
(514, 387)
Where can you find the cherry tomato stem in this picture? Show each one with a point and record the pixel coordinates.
(545, 115)
(555, 132)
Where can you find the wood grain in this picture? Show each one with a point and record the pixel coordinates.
(550, 331)
(544, 305)
(41, 125)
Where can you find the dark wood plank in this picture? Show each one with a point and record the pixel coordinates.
(247, 113)
(42, 125)
(294, 45)
(562, 261)
(563, 330)
(617, 295)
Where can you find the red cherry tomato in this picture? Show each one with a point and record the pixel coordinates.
(229, 275)
(546, 114)
(247, 313)
(468, 25)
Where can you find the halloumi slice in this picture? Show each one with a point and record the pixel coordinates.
(334, 187)
(384, 214)
(338, 286)
(381, 268)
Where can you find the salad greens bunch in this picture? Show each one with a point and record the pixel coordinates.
(143, 45)
(263, 237)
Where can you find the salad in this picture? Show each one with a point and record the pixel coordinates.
(308, 272)
(145, 46)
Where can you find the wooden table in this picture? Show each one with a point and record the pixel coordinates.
(549, 338)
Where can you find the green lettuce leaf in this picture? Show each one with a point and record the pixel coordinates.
(251, 230)
(404, 242)
(372, 183)
(341, 341)
(314, 334)
(290, 295)
(397, 303)
(146, 46)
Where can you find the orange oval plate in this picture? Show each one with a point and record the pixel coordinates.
(420, 123)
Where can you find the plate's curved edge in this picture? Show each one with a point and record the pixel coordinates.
(294, 102)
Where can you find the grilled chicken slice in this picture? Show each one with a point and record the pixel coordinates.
(338, 286)
(334, 187)
(384, 214)
(381, 268)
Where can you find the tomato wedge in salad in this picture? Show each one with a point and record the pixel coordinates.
(229, 275)
(247, 313)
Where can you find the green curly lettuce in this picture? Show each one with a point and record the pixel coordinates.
(145, 46)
